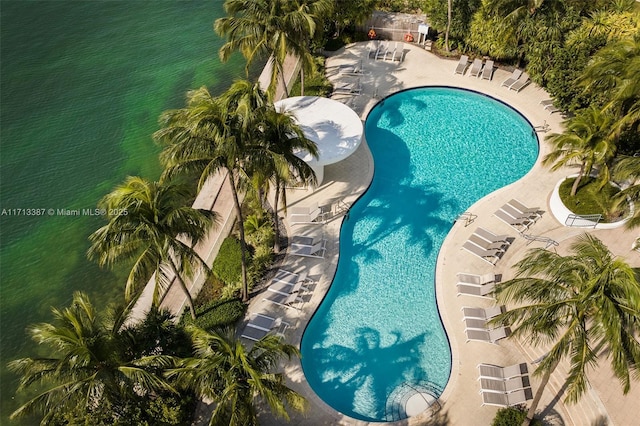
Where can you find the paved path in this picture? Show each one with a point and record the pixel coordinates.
(347, 180)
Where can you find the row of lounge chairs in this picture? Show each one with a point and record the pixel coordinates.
(504, 386)
(285, 289)
(478, 68)
(517, 81)
(383, 50)
(499, 386)
(487, 245)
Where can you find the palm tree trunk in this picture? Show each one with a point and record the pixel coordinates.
(538, 395)
(184, 288)
(576, 183)
(301, 80)
(284, 82)
(446, 34)
(276, 227)
(243, 245)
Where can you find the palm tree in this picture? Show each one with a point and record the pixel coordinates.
(91, 373)
(585, 141)
(275, 137)
(260, 28)
(208, 135)
(446, 33)
(223, 370)
(627, 169)
(151, 225)
(516, 9)
(281, 138)
(583, 304)
(614, 72)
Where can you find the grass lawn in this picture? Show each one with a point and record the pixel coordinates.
(590, 199)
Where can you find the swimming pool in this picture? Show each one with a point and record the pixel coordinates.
(377, 339)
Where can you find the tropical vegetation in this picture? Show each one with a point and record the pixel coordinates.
(237, 379)
(584, 53)
(272, 29)
(103, 368)
(149, 224)
(240, 133)
(103, 371)
(580, 306)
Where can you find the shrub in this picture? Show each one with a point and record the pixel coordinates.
(227, 266)
(259, 230)
(217, 313)
(261, 260)
(512, 416)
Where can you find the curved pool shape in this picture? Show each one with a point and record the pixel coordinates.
(377, 340)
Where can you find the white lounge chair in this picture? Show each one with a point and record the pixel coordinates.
(489, 256)
(476, 67)
(524, 210)
(372, 48)
(517, 214)
(504, 386)
(520, 225)
(487, 245)
(353, 69)
(398, 52)
(520, 83)
(383, 48)
(477, 280)
(286, 301)
(287, 288)
(475, 324)
(285, 276)
(260, 325)
(487, 71)
(507, 399)
(492, 371)
(348, 89)
(462, 65)
(475, 290)
(491, 237)
(482, 313)
(515, 75)
(391, 52)
(549, 106)
(487, 336)
(317, 250)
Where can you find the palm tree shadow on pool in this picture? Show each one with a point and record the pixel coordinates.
(402, 202)
(354, 373)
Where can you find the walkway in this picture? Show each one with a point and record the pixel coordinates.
(347, 180)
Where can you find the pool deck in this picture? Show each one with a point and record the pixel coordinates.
(345, 181)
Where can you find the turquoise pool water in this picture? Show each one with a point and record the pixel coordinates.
(377, 338)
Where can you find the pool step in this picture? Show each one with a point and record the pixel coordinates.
(410, 399)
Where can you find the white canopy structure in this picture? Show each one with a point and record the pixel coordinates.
(333, 126)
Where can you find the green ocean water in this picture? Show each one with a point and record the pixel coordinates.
(82, 84)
